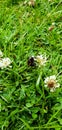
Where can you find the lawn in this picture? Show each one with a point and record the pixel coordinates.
(31, 65)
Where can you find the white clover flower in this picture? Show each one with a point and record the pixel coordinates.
(31, 2)
(52, 83)
(52, 26)
(41, 60)
(5, 62)
(1, 54)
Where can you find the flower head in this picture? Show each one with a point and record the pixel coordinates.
(52, 83)
(52, 26)
(5, 62)
(1, 54)
(31, 3)
(41, 60)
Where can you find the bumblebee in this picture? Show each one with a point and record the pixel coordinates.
(31, 61)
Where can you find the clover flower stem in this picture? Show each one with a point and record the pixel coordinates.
(43, 104)
(38, 82)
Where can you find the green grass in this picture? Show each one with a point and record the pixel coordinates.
(25, 104)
